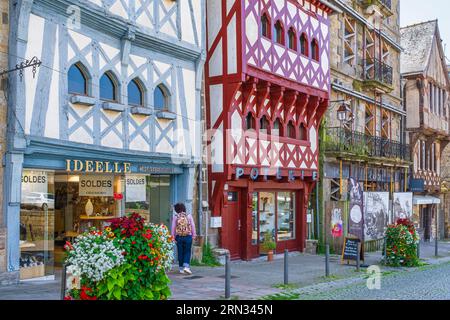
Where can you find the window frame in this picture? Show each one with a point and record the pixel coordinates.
(166, 95)
(304, 52)
(268, 34)
(115, 83)
(141, 89)
(292, 33)
(277, 32)
(315, 50)
(85, 74)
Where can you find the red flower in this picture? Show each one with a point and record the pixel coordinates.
(84, 294)
(134, 242)
(68, 298)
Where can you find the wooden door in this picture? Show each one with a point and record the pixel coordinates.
(233, 224)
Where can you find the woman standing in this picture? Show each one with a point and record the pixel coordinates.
(183, 231)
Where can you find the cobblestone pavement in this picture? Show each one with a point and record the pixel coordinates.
(426, 283)
(258, 278)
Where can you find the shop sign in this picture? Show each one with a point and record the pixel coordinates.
(155, 170)
(90, 166)
(256, 172)
(34, 182)
(135, 186)
(96, 186)
(356, 216)
(417, 185)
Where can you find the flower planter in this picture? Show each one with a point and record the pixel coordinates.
(270, 255)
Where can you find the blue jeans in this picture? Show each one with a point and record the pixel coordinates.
(184, 245)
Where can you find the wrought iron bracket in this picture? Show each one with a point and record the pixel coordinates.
(32, 63)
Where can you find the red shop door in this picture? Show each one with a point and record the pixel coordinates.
(233, 224)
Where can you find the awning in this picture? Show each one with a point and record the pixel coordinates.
(422, 200)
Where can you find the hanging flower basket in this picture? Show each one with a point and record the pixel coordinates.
(126, 261)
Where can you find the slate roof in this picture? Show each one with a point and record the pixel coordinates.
(417, 42)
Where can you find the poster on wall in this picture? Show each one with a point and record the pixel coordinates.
(34, 184)
(135, 187)
(96, 186)
(337, 224)
(402, 206)
(376, 215)
(356, 217)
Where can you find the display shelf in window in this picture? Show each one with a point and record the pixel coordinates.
(97, 218)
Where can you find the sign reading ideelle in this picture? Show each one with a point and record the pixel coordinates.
(90, 166)
(96, 185)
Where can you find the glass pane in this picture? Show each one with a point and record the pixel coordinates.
(255, 219)
(107, 88)
(37, 224)
(77, 81)
(137, 198)
(160, 210)
(266, 219)
(160, 99)
(286, 216)
(134, 94)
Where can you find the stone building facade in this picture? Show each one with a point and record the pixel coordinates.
(426, 87)
(4, 30)
(368, 142)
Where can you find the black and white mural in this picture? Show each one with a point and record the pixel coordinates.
(402, 206)
(376, 215)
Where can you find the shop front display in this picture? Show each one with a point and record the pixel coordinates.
(58, 205)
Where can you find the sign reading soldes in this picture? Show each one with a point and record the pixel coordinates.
(136, 188)
(96, 185)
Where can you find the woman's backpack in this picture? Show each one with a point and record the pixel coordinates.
(183, 227)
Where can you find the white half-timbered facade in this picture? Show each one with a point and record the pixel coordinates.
(142, 120)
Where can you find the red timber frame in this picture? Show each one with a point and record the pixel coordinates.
(262, 94)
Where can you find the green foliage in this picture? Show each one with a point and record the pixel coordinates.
(282, 296)
(208, 258)
(268, 243)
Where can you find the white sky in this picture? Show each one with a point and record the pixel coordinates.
(414, 11)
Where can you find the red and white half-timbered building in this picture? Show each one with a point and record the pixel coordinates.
(267, 88)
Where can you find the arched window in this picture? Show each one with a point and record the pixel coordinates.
(278, 33)
(304, 44)
(161, 98)
(276, 127)
(264, 124)
(315, 50)
(303, 135)
(78, 80)
(291, 130)
(249, 122)
(265, 26)
(108, 87)
(292, 39)
(135, 93)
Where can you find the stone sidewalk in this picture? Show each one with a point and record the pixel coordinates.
(250, 280)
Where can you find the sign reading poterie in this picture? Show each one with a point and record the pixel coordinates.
(136, 188)
(96, 186)
(351, 249)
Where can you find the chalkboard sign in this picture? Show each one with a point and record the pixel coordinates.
(351, 249)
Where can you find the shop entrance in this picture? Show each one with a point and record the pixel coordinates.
(273, 221)
(233, 224)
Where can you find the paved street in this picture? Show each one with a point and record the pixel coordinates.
(258, 278)
(429, 283)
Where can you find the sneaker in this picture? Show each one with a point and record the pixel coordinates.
(187, 271)
(182, 271)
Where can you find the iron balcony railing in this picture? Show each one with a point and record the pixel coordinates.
(387, 3)
(342, 140)
(376, 70)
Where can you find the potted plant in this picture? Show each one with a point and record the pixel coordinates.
(269, 245)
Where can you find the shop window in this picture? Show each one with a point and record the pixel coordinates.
(266, 219)
(285, 216)
(135, 93)
(108, 87)
(161, 98)
(291, 130)
(315, 50)
(78, 79)
(292, 39)
(278, 33)
(265, 26)
(304, 45)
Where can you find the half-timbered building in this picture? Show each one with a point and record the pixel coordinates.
(426, 90)
(107, 125)
(267, 84)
